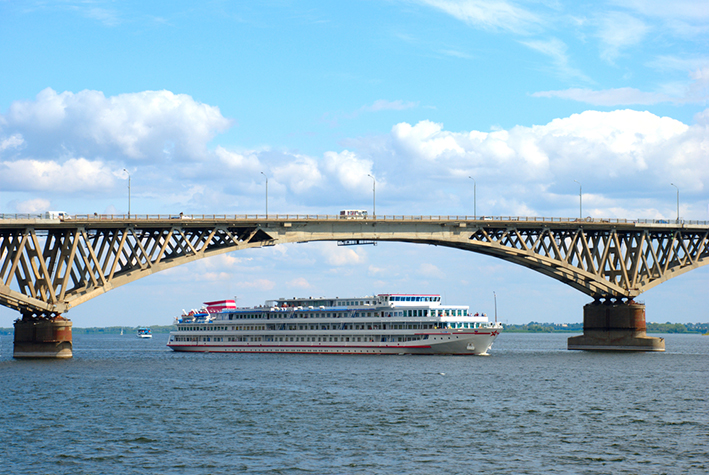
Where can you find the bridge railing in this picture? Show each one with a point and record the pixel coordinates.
(328, 217)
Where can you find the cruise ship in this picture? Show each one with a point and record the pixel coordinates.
(381, 324)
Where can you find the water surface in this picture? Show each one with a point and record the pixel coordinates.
(125, 405)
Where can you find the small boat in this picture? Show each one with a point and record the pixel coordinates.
(144, 332)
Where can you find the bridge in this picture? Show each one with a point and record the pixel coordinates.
(48, 266)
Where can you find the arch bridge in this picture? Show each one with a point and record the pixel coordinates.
(48, 266)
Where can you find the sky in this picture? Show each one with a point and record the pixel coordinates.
(511, 108)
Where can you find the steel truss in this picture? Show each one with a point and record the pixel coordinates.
(50, 268)
(602, 263)
(56, 269)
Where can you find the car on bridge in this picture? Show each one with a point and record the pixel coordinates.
(353, 214)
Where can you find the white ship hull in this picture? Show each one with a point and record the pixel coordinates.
(456, 343)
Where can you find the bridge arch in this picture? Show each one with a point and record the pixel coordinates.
(55, 265)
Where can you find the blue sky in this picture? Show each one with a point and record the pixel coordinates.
(195, 101)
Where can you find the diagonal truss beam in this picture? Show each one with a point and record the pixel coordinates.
(52, 269)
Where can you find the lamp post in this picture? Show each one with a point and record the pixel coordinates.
(374, 195)
(475, 198)
(495, 296)
(580, 200)
(264, 175)
(677, 201)
(128, 190)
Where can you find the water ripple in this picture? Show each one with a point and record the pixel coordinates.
(127, 406)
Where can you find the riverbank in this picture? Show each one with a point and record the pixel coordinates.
(532, 327)
(107, 330)
(652, 327)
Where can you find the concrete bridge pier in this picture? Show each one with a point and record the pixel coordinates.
(42, 337)
(615, 326)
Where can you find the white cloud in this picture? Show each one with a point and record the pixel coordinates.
(256, 284)
(608, 97)
(13, 141)
(489, 14)
(426, 140)
(238, 161)
(695, 90)
(373, 270)
(72, 175)
(136, 126)
(677, 9)
(420, 168)
(212, 277)
(36, 205)
(301, 174)
(226, 262)
(619, 31)
(556, 50)
(623, 152)
(699, 88)
(431, 271)
(702, 118)
(299, 283)
(339, 256)
(349, 170)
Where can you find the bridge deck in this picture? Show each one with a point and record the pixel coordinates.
(10, 220)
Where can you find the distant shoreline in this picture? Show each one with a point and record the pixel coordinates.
(532, 327)
(107, 330)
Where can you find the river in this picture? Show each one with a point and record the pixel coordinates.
(125, 405)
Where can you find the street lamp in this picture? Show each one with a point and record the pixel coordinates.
(495, 296)
(264, 175)
(374, 195)
(677, 201)
(475, 198)
(580, 200)
(128, 190)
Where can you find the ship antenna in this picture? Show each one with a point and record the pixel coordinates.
(495, 296)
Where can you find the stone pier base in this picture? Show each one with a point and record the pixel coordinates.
(42, 337)
(615, 327)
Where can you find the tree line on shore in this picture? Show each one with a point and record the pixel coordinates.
(531, 327)
(652, 327)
